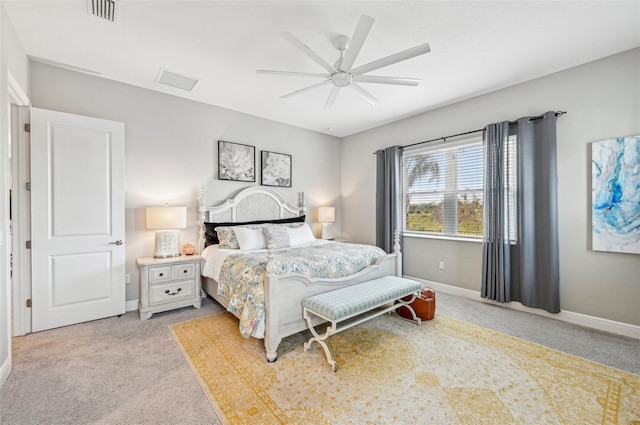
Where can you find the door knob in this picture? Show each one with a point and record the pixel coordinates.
(118, 242)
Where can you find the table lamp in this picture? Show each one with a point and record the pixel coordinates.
(166, 220)
(326, 216)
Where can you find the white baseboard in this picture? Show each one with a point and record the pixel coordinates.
(131, 305)
(5, 370)
(593, 322)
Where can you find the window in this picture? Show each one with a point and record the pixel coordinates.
(443, 189)
(510, 184)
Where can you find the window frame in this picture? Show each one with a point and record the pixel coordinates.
(450, 191)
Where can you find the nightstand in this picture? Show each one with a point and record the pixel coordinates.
(168, 283)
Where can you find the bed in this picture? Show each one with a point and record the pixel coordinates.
(282, 290)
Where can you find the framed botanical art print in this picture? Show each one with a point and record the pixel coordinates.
(236, 162)
(276, 169)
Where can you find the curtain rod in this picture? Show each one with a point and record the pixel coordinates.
(539, 117)
(444, 139)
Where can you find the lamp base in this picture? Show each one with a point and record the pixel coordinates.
(327, 231)
(167, 244)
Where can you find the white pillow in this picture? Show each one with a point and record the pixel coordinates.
(301, 235)
(250, 238)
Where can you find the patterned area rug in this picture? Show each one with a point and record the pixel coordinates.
(393, 371)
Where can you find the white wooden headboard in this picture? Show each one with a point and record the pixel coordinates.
(250, 204)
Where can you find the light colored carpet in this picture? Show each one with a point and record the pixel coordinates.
(391, 371)
(121, 370)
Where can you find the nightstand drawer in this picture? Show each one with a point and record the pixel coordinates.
(168, 283)
(169, 292)
(159, 274)
(184, 271)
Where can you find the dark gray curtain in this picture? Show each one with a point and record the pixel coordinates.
(520, 243)
(496, 241)
(388, 194)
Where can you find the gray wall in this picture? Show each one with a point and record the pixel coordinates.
(171, 150)
(603, 101)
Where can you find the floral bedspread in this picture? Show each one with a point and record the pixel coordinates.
(242, 275)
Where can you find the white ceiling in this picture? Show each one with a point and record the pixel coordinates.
(476, 47)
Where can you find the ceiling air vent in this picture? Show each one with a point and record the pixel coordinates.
(176, 80)
(105, 9)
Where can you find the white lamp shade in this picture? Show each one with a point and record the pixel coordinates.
(166, 220)
(161, 218)
(326, 214)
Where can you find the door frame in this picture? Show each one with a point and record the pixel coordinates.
(21, 208)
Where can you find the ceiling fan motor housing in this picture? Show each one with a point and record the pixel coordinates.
(341, 79)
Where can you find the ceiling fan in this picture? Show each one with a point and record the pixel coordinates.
(342, 73)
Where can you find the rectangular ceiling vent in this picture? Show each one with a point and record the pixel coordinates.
(104, 9)
(176, 80)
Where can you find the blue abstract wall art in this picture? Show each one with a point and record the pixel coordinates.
(615, 186)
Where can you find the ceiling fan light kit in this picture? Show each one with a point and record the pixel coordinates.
(342, 74)
(341, 79)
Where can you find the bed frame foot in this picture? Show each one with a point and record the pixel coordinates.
(272, 356)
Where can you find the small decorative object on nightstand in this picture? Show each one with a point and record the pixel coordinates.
(168, 283)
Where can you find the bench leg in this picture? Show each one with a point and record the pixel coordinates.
(415, 319)
(332, 329)
(320, 339)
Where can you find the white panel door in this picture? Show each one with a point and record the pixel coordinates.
(77, 219)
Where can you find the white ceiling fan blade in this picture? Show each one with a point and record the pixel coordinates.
(363, 93)
(292, 73)
(379, 79)
(306, 89)
(390, 60)
(308, 52)
(332, 97)
(357, 40)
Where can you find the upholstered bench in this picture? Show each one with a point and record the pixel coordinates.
(356, 304)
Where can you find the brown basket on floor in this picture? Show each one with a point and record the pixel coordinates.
(424, 306)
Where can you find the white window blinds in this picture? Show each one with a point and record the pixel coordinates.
(443, 189)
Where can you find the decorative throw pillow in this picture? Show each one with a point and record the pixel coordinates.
(250, 238)
(301, 235)
(227, 238)
(277, 237)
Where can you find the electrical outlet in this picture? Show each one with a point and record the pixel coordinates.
(441, 265)
(127, 278)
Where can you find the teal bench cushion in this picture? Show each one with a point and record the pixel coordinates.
(342, 303)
